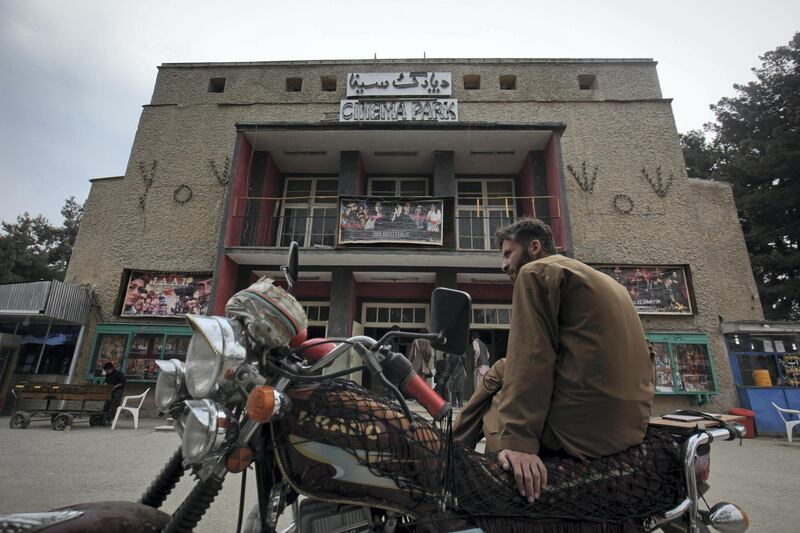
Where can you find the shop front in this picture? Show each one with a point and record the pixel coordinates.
(765, 361)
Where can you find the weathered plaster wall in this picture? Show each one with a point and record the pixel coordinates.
(619, 129)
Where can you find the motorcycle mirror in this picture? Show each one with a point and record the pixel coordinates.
(450, 318)
(292, 269)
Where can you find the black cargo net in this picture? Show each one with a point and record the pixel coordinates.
(346, 444)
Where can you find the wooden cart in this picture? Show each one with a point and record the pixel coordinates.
(60, 419)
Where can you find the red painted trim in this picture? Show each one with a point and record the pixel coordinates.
(525, 185)
(553, 175)
(237, 207)
(488, 292)
(396, 291)
(267, 223)
(226, 284)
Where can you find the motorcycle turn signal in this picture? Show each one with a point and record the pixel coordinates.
(264, 403)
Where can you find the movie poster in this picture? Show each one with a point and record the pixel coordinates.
(158, 294)
(390, 220)
(654, 289)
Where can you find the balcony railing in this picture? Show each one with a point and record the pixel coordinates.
(272, 222)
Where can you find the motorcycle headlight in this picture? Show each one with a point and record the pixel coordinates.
(214, 347)
(205, 427)
(169, 386)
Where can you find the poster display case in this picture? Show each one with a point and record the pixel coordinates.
(683, 365)
(135, 349)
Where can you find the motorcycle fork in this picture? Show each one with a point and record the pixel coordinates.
(265, 477)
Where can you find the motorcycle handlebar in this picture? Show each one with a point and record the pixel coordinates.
(397, 369)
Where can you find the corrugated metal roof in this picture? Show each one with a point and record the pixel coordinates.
(48, 299)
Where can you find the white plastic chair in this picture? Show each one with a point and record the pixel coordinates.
(133, 410)
(790, 424)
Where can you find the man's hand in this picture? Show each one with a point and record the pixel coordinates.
(529, 472)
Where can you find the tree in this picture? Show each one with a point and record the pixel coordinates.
(757, 150)
(31, 249)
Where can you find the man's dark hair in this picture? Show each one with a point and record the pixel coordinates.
(108, 366)
(526, 230)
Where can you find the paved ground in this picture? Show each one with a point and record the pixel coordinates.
(44, 469)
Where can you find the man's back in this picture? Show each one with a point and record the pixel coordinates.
(576, 340)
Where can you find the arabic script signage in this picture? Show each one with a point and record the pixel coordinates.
(439, 110)
(399, 84)
(398, 220)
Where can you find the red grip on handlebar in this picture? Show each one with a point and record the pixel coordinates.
(427, 397)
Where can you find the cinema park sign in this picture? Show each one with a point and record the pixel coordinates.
(381, 97)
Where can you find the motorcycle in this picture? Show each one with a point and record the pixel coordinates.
(330, 455)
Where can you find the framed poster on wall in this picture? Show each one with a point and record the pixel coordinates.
(166, 294)
(390, 220)
(654, 289)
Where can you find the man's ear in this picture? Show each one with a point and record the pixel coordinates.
(535, 248)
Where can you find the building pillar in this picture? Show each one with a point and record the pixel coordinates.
(444, 175)
(342, 311)
(351, 174)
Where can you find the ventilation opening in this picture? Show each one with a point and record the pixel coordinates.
(508, 82)
(328, 83)
(472, 82)
(587, 82)
(216, 85)
(294, 85)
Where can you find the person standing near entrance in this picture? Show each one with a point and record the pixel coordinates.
(457, 377)
(481, 358)
(420, 354)
(117, 379)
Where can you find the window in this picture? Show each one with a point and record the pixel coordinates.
(46, 348)
(777, 354)
(217, 85)
(294, 85)
(308, 212)
(683, 364)
(408, 316)
(405, 187)
(587, 82)
(483, 206)
(317, 312)
(328, 83)
(491, 316)
(472, 82)
(508, 82)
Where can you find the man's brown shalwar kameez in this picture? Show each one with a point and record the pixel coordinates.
(577, 376)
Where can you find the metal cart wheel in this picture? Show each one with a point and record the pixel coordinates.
(19, 420)
(97, 420)
(62, 421)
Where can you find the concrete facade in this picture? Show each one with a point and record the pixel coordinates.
(623, 128)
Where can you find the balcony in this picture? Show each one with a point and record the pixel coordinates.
(264, 227)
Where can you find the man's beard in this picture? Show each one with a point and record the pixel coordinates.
(524, 258)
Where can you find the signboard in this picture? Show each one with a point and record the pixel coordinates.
(654, 289)
(159, 294)
(399, 84)
(397, 220)
(439, 110)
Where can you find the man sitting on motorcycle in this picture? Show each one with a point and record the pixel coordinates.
(577, 377)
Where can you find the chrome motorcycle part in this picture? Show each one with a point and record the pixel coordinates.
(169, 386)
(205, 428)
(13, 523)
(315, 516)
(728, 518)
(216, 345)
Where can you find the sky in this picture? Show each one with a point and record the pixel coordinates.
(75, 73)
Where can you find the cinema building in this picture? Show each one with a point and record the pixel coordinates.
(393, 176)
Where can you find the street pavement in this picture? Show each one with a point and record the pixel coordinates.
(42, 469)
